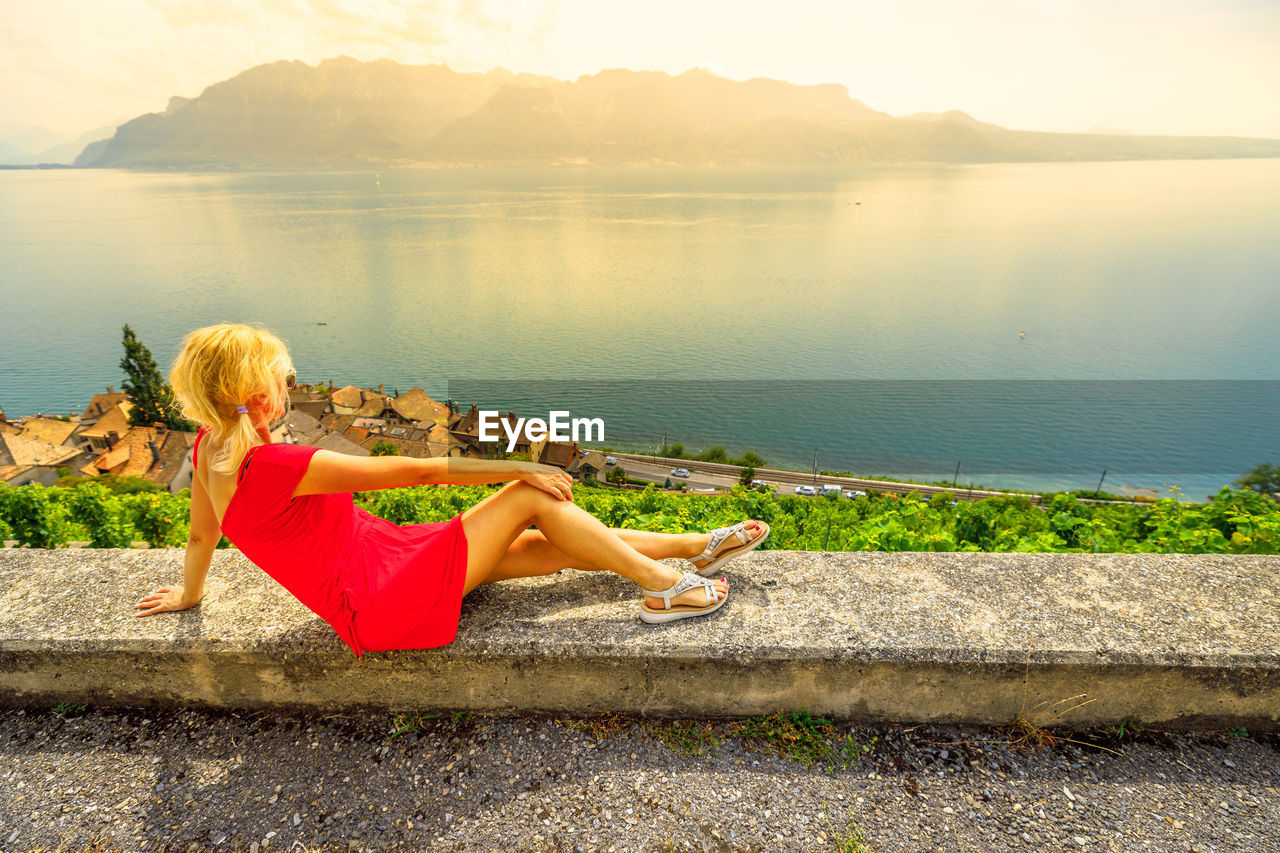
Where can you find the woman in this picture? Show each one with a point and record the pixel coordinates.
(289, 509)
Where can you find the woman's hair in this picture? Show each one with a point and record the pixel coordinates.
(219, 368)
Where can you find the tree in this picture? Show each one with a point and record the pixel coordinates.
(151, 396)
(384, 448)
(1264, 479)
(714, 453)
(617, 474)
(748, 474)
(749, 459)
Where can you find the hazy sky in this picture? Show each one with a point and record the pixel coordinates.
(1148, 66)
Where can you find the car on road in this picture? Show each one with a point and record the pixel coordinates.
(806, 490)
(609, 460)
(830, 489)
(855, 493)
(679, 472)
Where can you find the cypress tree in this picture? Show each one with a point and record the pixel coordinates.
(151, 396)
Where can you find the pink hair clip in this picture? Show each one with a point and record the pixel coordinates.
(244, 410)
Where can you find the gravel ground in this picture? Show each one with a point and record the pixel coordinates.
(144, 780)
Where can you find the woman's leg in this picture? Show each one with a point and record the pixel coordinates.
(533, 555)
(493, 525)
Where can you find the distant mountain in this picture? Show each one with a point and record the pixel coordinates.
(60, 150)
(29, 140)
(344, 113)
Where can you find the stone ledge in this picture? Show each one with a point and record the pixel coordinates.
(1179, 641)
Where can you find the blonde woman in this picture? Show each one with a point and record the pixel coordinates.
(289, 509)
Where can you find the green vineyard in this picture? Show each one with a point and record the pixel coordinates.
(1233, 522)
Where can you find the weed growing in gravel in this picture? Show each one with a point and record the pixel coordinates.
(411, 721)
(599, 727)
(794, 734)
(66, 710)
(1240, 732)
(1126, 728)
(851, 840)
(852, 751)
(688, 737)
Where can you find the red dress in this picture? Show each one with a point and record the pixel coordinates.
(379, 584)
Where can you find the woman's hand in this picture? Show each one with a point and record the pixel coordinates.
(549, 478)
(164, 599)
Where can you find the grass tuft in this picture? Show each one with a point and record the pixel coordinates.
(688, 737)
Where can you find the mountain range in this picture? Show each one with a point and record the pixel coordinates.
(344, 113)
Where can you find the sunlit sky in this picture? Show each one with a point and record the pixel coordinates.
(1145, 66)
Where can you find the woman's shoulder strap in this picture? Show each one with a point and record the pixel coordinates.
(195, 447)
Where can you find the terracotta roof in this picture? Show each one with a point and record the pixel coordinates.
(356, 434)
(21, 450)
(338, 444)
(297, 395)
(117, 419)
(469, 422)
(8, 472)
(337, 423)
(368, 423)
(131, 456)
(374, 405)
(315, 408)
(349, 397)
(592, 459)
(47, 429)
(176, 448)
(416, 405)
(304, 428)
(100, 404)
(9, 429)
(560, 455)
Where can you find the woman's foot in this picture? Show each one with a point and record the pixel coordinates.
(730, 542)
(694, 597)
(688, 596)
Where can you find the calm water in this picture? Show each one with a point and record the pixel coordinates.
(778, 279)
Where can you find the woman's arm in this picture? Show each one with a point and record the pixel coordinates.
(201, 543)
(338, 473)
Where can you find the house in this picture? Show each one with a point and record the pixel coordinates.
(466, 430)
(313, 403)
(556, 453)
(346, 400)
(356, 434)
(173, 469)
(338, 444)
(363, 403)
(28, 460)
(302, 427)
(589, 464)
(106, 429)
(443, 443)
(334, 422)
(55, 432)
(154, 453)
(415, 405)
(100, 404)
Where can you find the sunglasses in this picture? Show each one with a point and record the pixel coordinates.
(290, 379)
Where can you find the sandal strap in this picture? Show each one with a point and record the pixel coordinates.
(722, 533)
(688, 581)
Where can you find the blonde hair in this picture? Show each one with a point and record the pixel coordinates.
(219, 368)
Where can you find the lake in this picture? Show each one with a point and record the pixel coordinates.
(1035, 323)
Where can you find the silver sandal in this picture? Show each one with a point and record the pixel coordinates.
(745, 544)
(671, 612)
